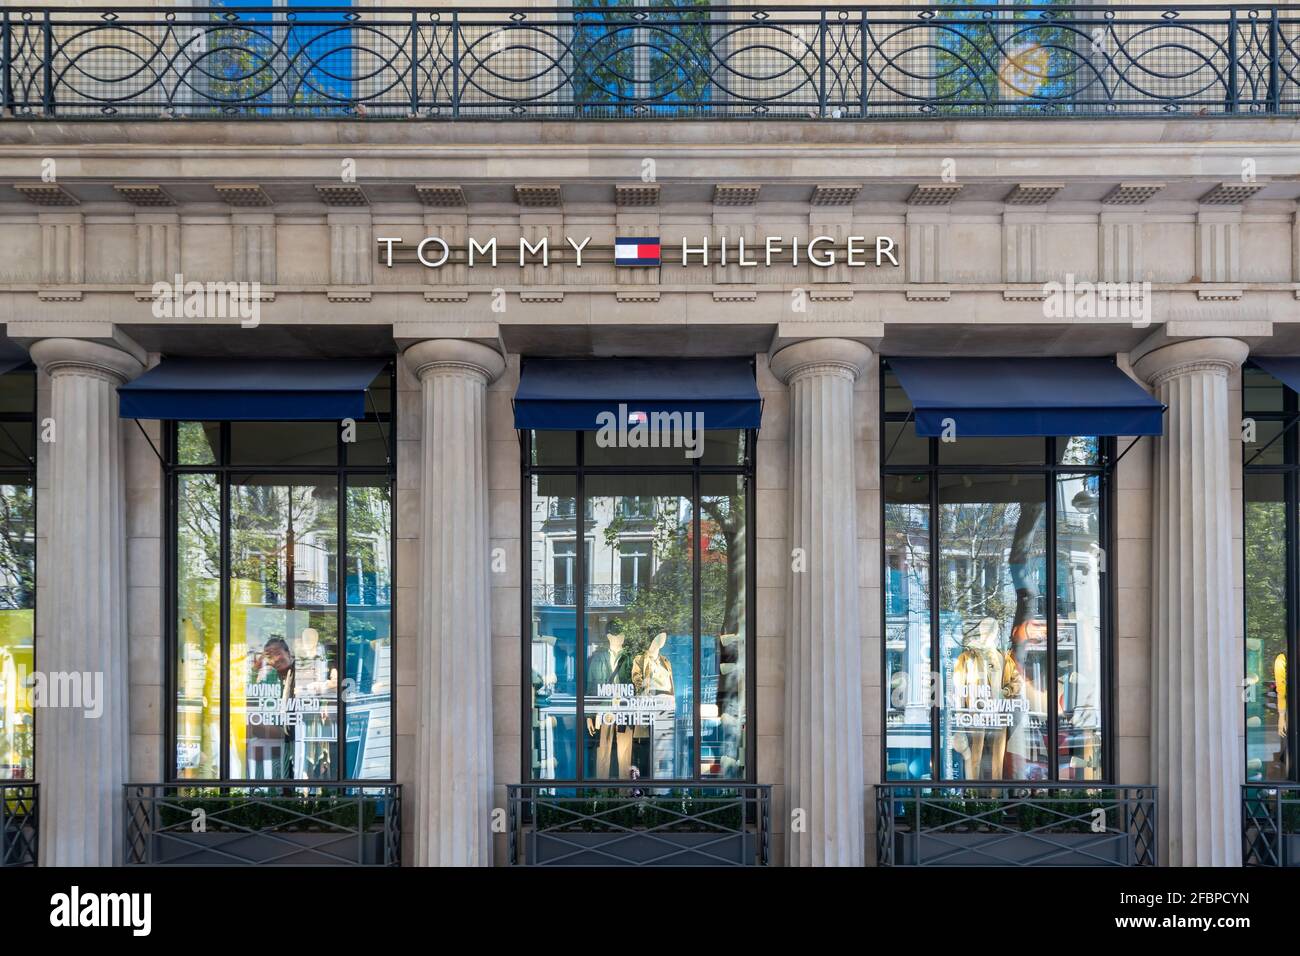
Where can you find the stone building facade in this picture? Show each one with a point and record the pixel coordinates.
(300, 206)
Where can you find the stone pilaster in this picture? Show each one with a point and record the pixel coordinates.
(83, 762)
(1195, 662)
(453, 803)
(823, 691)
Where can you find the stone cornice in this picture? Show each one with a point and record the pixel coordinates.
(564, 152)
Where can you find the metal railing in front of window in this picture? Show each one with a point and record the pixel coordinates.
(633, 62)
(1015, 824)
(19, 823)
(597, 595)
(1270, 824)
(639, 824)
(218, 824)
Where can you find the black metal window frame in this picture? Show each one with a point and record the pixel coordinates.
(1289, 471)
(579, 471)
(17, 474)
(224, 470)
(1106, 530)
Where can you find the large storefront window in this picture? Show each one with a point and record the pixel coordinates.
(638, 654)
(1272, 466)
(282, 611)
(994, 605)
(17, 572)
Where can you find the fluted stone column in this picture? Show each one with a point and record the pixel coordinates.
(84, 757)
(1195, 661)
(454, 740)
(823, 676)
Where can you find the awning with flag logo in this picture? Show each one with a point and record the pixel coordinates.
(636, 251)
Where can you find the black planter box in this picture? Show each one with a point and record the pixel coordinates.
(1012, 849)
(635, 849)
(281, 849)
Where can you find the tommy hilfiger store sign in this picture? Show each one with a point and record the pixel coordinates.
(824, 252)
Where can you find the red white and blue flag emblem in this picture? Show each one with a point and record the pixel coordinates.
(636, 252)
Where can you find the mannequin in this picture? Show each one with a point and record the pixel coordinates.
(730, 697)
(981, 676)
(652, 676)
(1279, 681)
(1023, 741)
(610, 664)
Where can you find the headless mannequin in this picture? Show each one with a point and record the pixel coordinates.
(652, 675)
(978, 675)
(614, 741)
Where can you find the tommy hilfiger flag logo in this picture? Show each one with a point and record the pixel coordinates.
(636, 252)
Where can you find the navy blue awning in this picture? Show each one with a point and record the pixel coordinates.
(1286, 369)
(251, 390)
(570, 394)
(1009, 397)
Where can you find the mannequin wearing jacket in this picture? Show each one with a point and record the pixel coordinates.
(610, 664)
(983, 673)
(652, 676)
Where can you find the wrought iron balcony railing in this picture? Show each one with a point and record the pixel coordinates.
(638, 824)
(1015, 824)
(596, 595)
(1270, 824)
(19, 823)
(625, 61)
(309, 824)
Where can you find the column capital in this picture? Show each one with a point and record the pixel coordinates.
(454, 355)
(1218, 355)
(830, 356)
(53, 356)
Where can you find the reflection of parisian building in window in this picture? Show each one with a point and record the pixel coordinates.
(911, 541)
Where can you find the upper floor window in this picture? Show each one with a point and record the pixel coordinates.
(637, 661)
(281, 581)
(996, 623)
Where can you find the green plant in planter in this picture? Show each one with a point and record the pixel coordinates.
(1066, 811)
(1291, 817)
(259, 812)
(612, 811)
(947, 813)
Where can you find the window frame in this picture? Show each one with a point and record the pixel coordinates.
(578, 470)
(224, 470)
(12, 474)
(1289, 471)
(1048, 472)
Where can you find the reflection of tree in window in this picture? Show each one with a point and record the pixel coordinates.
(276, 540)
(661, 58)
